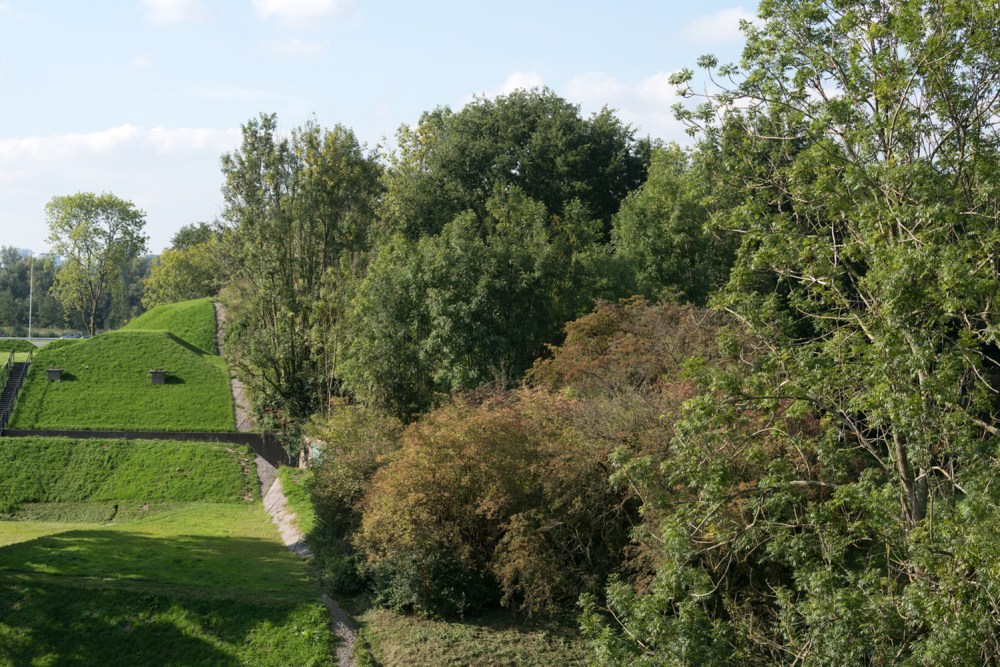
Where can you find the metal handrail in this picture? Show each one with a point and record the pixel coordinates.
(5, 371)
(5, 374)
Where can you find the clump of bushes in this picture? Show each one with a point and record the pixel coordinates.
(503, 501)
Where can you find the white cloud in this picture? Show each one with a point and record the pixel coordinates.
(171, 173)
(302, 11)
(722, 26)
(294, 48)
(174, 11)
(142, 61)
(57, 148)
(645, 104)
(519, 81)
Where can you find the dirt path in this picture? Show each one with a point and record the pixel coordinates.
(277, 506)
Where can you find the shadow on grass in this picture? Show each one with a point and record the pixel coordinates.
(111, 597)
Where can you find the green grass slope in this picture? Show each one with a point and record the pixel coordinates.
(63, 470)
(203, 580)
(106, 386)
(193, 321)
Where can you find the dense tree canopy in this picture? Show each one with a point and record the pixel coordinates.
(535, 140)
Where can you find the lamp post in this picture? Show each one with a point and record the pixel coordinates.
(31, 288)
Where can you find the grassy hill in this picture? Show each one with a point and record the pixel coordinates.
(48, 471)
(15, 345)
(106, 386)
(192, 573)
(193, 321)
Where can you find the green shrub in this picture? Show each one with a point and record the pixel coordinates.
(355, 442)
(503, 501)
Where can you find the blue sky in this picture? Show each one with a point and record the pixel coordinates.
(142, 97)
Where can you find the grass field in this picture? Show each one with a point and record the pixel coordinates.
(106, 386)
(186, 583)
(193, 321)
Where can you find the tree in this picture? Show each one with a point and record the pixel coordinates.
(98, 235)
(533, 140)
(848, 471)
(190, 272)
(299, 209)
(661, 231)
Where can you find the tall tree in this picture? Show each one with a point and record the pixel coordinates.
(98, 235)
(299, 208)
(533, 140)
(867, 275)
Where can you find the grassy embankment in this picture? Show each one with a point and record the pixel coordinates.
(490, 639)
(146, 553)
(193, 321)
(106, 386)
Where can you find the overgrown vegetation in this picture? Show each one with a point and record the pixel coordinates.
(783, 452)
(106, 385)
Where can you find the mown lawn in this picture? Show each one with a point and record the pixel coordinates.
(193, 321)
(167, 582)
(106, 386)
(67, 472)
(203, 584)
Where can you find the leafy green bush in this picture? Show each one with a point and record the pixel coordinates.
(355, 443)
(500, 502)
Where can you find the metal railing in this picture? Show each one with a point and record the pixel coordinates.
(15, 388)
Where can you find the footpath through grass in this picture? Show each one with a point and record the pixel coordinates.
(199, 579)
(193, 321)
(106, 386)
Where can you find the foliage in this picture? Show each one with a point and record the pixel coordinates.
(16, 290)
(355, 443)
(106, 386)
(661, 231)
(474, 304)
(98, 236)
(299, 209)
(500, 501)
(193, 321)
(190, 273)
(814, 492)
(534, 141)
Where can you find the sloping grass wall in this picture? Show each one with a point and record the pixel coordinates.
(106, 386)
(193, 321)
(59, 470)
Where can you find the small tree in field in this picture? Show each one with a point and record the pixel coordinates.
(98, 235)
